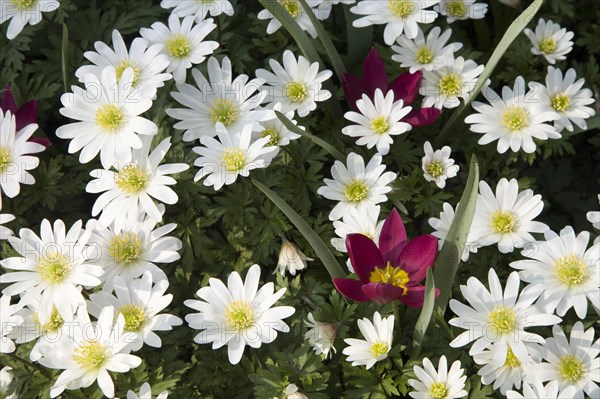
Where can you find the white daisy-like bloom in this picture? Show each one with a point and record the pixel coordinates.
(441, 226)
(141, 303)
(279, 134)
(146, 61)
(135, 186)
(550, 41)
(108, 114)
(218, 99)
(443, 87)
(514, 119)
(296, 12)
(9, 321)
(200, 9)
(146, 391)
(573, 363)
(15, 158)
(54, 265)
(377, 121)
(183, 43)
(323, 10)
(376, 345)
(437, 165)
(564, 271)
(566, 97)
(292, 392)
(297, 84)
(238, 314)
(398, 16)
(593, 216)
(497, 320)
(87, 351)
(291, 258)
(233, 155)
(23, 12)
(425, 53)
(507, 217)
(5, 232)
(507, 376)
(356, 186)
(536, 390)
(455, 10)
(6, 378)
(134, 249)
(321, 336)
(438, 384)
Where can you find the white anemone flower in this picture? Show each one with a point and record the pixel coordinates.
(376, 345)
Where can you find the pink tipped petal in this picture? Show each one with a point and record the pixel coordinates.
(422, 116)
(416, 296)
(392, 238)
(374, 74)
(7, 102)
(26, 115)
(418, 255)
(406, 86)
(382, 293)
(351, 289)
(364, 255)
(354, 88)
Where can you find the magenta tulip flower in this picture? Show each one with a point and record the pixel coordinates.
(25, 115)
(405, 87)
(391, 272)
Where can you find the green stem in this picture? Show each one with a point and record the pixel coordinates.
(396, 311)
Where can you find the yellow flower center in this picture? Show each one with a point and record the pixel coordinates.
(90, 355)
(5, 159)
(52, 326)
(239, 315)
(561, 102)
(123, 65)
(380, 125)
(131, 179)
(234, 159)
(24, 4)
(293, 8)
(571, 270)
(435, 169)
(273, 136)
(515, 118)
(571, 368)
(503, 320)
(110, 118)
(356, 191)
(438, 390)
(54, 268)
(125, 248)
(503, 222)
(512, 362)
(296, 92)
(424, 55)
(135, 317)
(450, 85)
(379, 348)
(390, 275)
(401, 8)
(456, 8)
(177, 45)
(225, 111)
(547, 45)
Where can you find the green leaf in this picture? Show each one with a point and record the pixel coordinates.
(329, 261)
(425, 316)
(359, 40)
(449, 257)
(65, 56)
(318, 141)
(509, 36)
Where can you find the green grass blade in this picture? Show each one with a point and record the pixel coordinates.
(65, 57)
(320, 248)
(359, 40)
(425, 316)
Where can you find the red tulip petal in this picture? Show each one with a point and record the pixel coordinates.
(41, 140)
(422, 116)
(364, 255)
(354, 89)
(416, 296)
(7, 101)
(382, 293)
(406, 86)
(374, 74)
(418, 255)
(26, 114)
(350, 288)
(392, 238)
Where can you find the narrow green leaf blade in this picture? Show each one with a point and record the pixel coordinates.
(425, 316)
(331, 264)
(592, 123)
(65, 56)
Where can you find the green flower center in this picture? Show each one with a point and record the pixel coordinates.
(401, 8)
(234, 159)
(135, 317)
(547, 45)
(24, 4)
(390, 275)
(571, 368)
(293, 8)
(456, 8)
(515, 118)
(450, 85)
(125, 248)
(123, 65)
(54, 268)
(380, 125)
(512, 362)
(379, 348)
(435, 169)
(131, 179)
(438, 390)
(571, 270)
(239, 315)
(503, 320)
(110, 118)
(52, 326)
(225, 111)
(561, 102)
(5, 159)
(273, 136)
(90, 355)
(177, 45)
(356, 191)
(296, 92)
(424, 55)
(503, 222)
